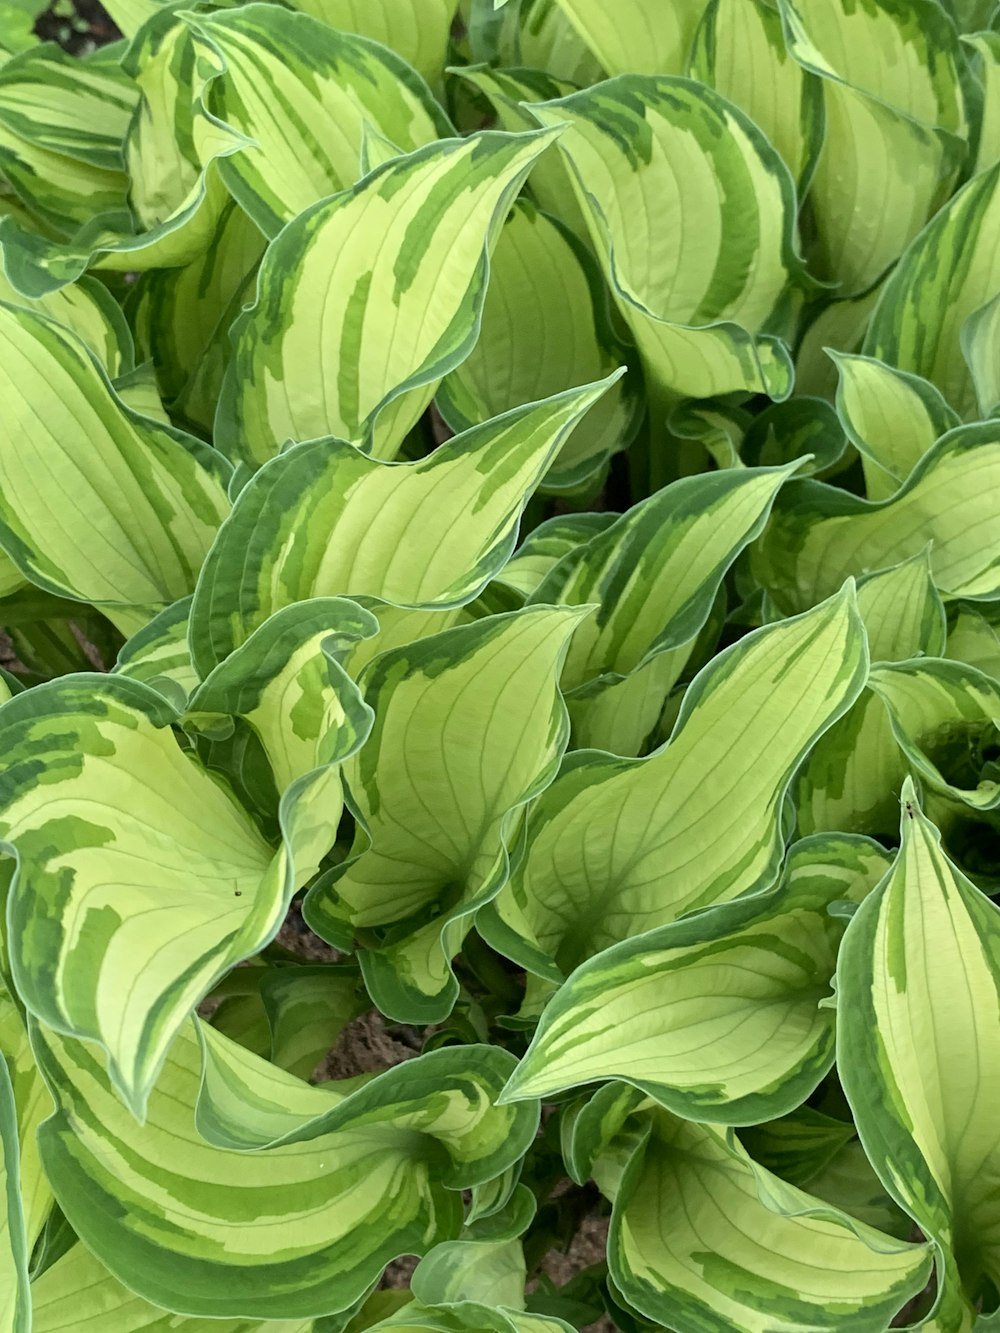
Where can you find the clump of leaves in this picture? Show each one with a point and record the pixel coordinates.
(516, 491)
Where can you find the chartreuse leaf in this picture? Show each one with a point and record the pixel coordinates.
(303, 1228)
(740, 51)
(306, 1009)
(324, 519)
(15, 1298)
(699, 301)
(852, 777)
(942, 715)
(703, 1238)
(717, 1017)
(489, 1271)
(78, 1295)
(638, 36)
(840, 325)
(973, 639)
(891, 417)
(469, 1317)
(618, 846)
(948, 272)
(146, 500)
(298, 97)
(392, 273)
(87, 309)
(437, 821)
(819, 534)
(653, 576)
(161, 927)
(917, 982)
(543, 330)
(416, 29)
(182, 316)
(894, 127)
(798, 1146)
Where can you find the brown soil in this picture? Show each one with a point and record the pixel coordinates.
(367, 1046)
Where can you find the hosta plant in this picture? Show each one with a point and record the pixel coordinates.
(500, 607)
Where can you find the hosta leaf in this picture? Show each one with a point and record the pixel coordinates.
(62, 127)
(307, 1008)
(979, 341)
(437, 821)
(649, 156)
(159, 655)
(469, 1317)
(798, 1146)
(948, 272)
(301, 1229)
(974, 640)
(323, 519)
(638, 36)
(393, 274)
(15, 1299)
(491, 1272)
(740, 51)
(702, 1238)
(546, 545)
(176, 196)
(92, 916)
(717, 1016)
(508, 92)
(416, 29)
(182, 316)
(543, 330)
(32, 1104)
(894, 127)
(87, 309)
(942, 715)
(78, 1295)
(818, 535)
(286, 681)
(987, 44)
(619, 846)
(852, 778)
(849, 1182)
(298, 97)
(653, 576)
(839, 325)
(918, 979)
(146, 500)
(891, 417)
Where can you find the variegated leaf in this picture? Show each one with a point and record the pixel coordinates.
(416, 29)
(853, 775)
(437, 821)
(323, 519)
(15, 1298)
(717, 1017)
(302, 1229)
(895, 124)
(919, 1057)
(638, 36)
(298, 97)
(819, 534)
(703, 1238)
(146, 500)
(740, 51)
(891, 417)
(948, 272)
(405, 250)
(543, 329)
(653, 575)
(156, 898)
(703, 301)
(618, 846)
